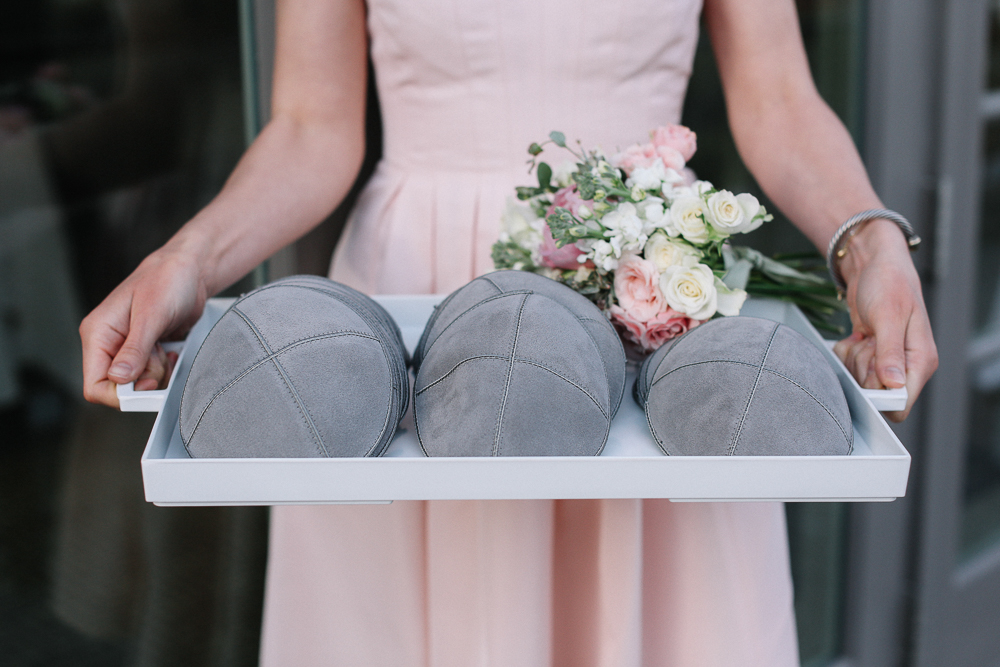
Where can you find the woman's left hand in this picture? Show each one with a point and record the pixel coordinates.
(891, 345)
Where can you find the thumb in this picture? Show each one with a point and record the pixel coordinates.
(131, 359)
(890, 353)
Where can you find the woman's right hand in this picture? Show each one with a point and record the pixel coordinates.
(164, 295)
(293, 175)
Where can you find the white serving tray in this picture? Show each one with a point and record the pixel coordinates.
(631, 466)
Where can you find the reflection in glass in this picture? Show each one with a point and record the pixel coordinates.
(993, 54)
(981, 517)
(118, 121)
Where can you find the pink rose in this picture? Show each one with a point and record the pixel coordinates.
(570, 199)
(651, 335)
(634, 157)
(558, 258)
(637, 287)
(668, 324)
(678, 138)
(644, 155)
(633, 329)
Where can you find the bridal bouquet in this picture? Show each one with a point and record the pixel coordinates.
(651, 246)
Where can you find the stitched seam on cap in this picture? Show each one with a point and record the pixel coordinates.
(361, 305)
(438, 309)
(456, 366)
(848, 438)
(698, 363)
(180, 408)
(522, 360)
(418, 351)
(388, 411)
(607, 371)
(490, 281)
(753, 390)
(303, 410)
(469, 310)
(263, 361)
(510, 374)
(652, 429)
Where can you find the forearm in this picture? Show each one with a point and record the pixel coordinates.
(288, 181)
(805, 161)
(792, 142)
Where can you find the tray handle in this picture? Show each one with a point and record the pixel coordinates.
(884, 400)
(130, 400)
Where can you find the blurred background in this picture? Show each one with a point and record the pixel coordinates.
(119, 119)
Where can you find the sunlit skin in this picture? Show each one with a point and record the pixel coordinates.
(307, 157)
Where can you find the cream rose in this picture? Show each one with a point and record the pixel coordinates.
(687, 218)
(562, 175)
(733, 214)
(730, 300)
(520, 225)
(689, 288)
(663, 252)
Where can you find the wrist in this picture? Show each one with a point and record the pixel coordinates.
(193, 252)
(876, 238)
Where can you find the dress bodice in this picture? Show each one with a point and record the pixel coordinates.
(465, 86)
(468, 84)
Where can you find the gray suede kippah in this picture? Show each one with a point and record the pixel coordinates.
(504, 282)
(510, 365)
(743, 386)
(302, 367)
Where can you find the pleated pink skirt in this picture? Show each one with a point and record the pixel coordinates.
(575, 583)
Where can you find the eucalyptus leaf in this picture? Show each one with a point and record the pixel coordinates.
(544, 175)
(558, 138)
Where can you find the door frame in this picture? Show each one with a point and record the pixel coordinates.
(957, 604)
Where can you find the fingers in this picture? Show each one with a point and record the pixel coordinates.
(101, 335)
(158, 369)
(890, 351)
(921, 361)
(843, 347)
(145, 327)
(858, 354)
(155, 374)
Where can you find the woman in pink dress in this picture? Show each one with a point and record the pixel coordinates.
(464, 88)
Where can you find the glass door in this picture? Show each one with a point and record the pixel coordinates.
(958, 575)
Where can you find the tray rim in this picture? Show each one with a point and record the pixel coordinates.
(163, 479)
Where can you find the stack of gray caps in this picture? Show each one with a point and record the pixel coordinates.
(516, 364)
(743, 386)
(302, 367)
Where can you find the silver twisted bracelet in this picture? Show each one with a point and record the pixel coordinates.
(838, 244)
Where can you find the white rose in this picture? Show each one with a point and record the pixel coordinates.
(702, 188)
(562, 175)
(751, 208)
(689, 288)
(733, 214)
(520, 224)
(664, 252)
(730, 301)
(687, 218)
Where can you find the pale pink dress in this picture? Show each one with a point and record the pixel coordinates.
(465, 86)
